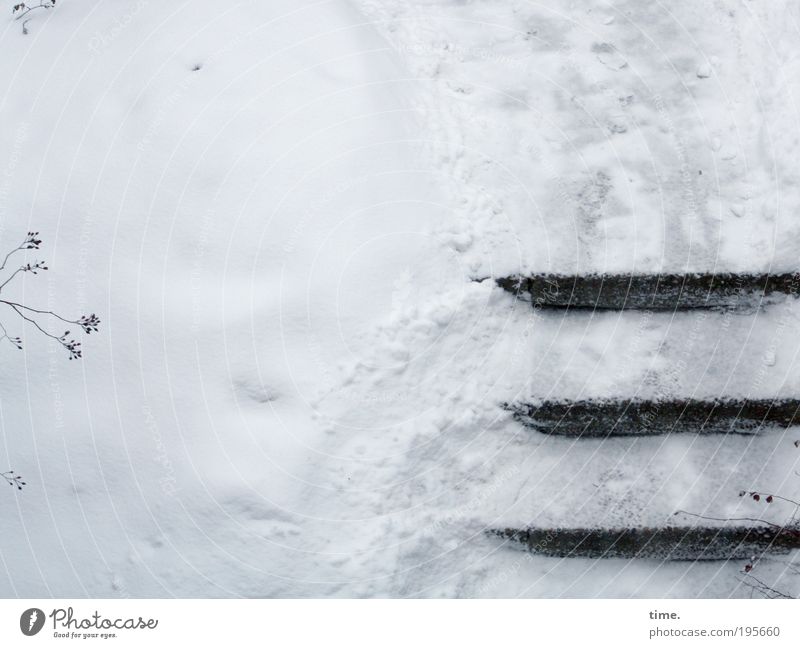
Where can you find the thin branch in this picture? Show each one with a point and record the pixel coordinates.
(739, 519)
(72, 346)
(34, 267)
(8, 256)
(23, 10)
(17, 342)
(16, 305)
(768, 497)
(787, 564)
(30, 243)
(13, 274)
(786, 499)
(88, 323)
(765, 589)
(32, 321)
(13, 479)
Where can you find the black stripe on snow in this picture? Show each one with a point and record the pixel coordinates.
(666, 543)
(652, 292)
(602, 418)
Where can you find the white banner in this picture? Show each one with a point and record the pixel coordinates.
(519, 623)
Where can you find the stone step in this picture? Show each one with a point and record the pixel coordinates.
(603, 418)
(667, 292)
(665, 543)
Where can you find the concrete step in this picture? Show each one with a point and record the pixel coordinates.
(667, 292)
(602, 418)
(666, 543)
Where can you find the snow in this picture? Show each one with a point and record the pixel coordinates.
(280, 212)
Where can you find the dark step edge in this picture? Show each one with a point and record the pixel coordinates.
(612, 417)
(663, 543)
(668, 291)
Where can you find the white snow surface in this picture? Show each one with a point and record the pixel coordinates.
(279, 211)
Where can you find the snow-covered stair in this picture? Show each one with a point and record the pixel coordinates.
(725, 538)
(666, 543)
(663, 292)
(631, 417)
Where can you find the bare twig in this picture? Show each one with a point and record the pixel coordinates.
(758, 496)
(28, 267)
(13, 340)
(31, 242)
(13, 479)
(21, 10)
(764, 589)
(755, 584)
(729, 519)
(87, 323)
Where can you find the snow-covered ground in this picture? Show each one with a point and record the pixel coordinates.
(278, 210)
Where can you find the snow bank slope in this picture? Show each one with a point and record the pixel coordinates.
(232, 189)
